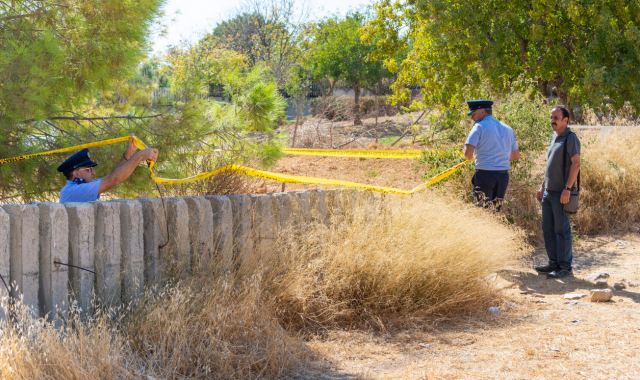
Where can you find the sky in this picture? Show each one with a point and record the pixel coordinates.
(191, 19)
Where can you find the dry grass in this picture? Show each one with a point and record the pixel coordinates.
(214, 329)
(421, 260)
(424, 257)
(610, 196)
(33, 348)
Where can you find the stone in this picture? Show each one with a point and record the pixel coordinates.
(264, 225)
(54, 249)
(602, 284)
(132, 259)
(619, 286)
(493, 310)
(200, 232)
(24, 250)
(597, 276)
(4, 258)
(81, 218)
(242, 229)
(108, 253)
(318, 204)
(283, 209)
(155, 237)
(222, 238)
(301, 202)
(573, 296)
(601, 295)
(175, 256)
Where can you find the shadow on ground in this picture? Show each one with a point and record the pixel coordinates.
(535, 283)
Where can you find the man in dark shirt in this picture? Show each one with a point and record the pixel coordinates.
(563, 165)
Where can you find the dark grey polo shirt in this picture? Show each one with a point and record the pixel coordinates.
(556, 175)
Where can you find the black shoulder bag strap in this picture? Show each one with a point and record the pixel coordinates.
(564, 163)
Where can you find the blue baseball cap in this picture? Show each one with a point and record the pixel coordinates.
(478, 104)
(79, 159)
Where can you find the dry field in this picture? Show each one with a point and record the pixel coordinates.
(538, 334)
(429, 289)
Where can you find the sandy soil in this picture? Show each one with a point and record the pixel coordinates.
(538, 334)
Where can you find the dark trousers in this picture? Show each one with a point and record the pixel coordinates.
(557, 231)
(489, 187)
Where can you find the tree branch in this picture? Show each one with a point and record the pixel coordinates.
(99, 118)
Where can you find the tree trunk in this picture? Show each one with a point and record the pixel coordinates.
(356, 106)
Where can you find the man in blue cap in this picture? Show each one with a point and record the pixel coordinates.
(81, 184)
(495, 146)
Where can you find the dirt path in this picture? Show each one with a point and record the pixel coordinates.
(538, 334)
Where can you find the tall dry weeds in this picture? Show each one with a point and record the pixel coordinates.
(422, 257)
(214, 328)
(32, 348)
(610, 175)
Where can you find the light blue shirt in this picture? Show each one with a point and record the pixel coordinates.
(80, 192)
(493, 141)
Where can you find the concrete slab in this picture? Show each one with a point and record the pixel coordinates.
(222, 229)
(264, 224)
(108, 253)
(242, 226)
(54, 249)
(302, 206)
(24, 248)
(175, 256)
(283, 209)
(132, 261)
(155, 238)
(4, 258)
(200, 233)
(318, 203)
(82, 253)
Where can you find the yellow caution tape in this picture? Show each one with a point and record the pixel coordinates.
(279, 177)
(364, 153)
(139, 144)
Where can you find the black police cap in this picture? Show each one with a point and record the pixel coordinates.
(478, 104)
(79, 159)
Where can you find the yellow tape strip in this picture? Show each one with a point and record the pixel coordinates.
(364, 153)
(287, 178)
(23, 157)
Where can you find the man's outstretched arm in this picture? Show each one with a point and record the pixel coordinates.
(126, 168)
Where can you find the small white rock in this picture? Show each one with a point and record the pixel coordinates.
(601, 295)
(597, 276)
(493, 310)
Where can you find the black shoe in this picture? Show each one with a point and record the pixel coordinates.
(546, 268)
(560, 273)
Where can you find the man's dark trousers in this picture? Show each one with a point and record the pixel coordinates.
(490, 184)
(557, 231)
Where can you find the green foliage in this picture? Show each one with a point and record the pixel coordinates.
(583, 52)
(439, 160)
(242, 34)
(265, 33)
(55, 58)
(56, 54)
(194, 68)
(338, 52)
(48, 80)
